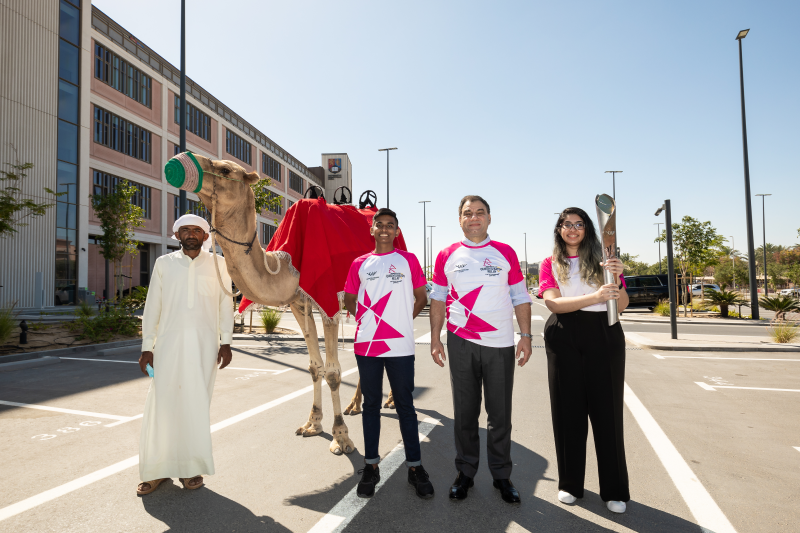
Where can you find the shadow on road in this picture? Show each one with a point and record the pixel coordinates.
(204, 510)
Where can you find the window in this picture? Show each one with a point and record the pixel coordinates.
(192, 207)
(106, 183)
(289, 204)
(122, 76)
(237, 147)
(270, 167)
(277, 207)
(295, 182)
(196, 121)
(120, 135)
(267, 232)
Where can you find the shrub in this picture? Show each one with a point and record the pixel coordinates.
(662, 308)
(85, 309)
(783, 332)
(135, 300)
(7, 322)
(724, 299)
(102, 327)
(270, 318)
(780, 304)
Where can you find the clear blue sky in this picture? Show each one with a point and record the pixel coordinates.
(524, 103)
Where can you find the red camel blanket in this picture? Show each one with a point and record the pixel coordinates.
(323, 240)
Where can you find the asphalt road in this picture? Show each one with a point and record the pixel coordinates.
(69, 471)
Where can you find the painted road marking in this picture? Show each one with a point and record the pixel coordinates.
(723, 358)
(796, 448)
(49, 495)
(60, 410)
(99, 360)
(274, 372)
(348, 507)
(118, 422)
(703, 507)
(426, 339)
(537, 317)
(709, 387)
(658, 356)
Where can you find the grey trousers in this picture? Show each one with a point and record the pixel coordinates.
(473, 367)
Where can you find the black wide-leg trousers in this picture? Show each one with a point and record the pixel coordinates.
(586, 370)
(475, 369)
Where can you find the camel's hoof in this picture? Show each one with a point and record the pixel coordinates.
(389, 405)
(310, 432)
(336, 451)
(300, 430)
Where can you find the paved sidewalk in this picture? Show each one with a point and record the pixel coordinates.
(707, 343)
(653, 319)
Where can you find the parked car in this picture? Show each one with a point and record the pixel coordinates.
(794, 293)
(646, 291)
(65, 295)
(698, 288)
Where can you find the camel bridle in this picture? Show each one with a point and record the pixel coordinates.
(215, 230)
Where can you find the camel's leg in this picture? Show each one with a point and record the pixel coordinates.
(333, 376)
(315, 367)
(389, 401)
(355, 404)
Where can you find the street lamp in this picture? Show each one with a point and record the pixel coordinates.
(673, 296)
(182, 116)
(431, 242)
(764, 226)
(749, 211)
(387, 172)
(424, 239)
(526, 260)
(613, 182)
(658, 229)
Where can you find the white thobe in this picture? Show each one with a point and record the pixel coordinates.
(186, 318)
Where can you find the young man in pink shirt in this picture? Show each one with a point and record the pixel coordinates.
(385, 290)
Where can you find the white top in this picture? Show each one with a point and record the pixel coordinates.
(575, 287)
(385, 286)
(478, 278)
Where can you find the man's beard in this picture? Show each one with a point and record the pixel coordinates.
(192, 244)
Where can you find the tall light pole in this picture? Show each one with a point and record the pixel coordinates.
(526, 260)
(614, 182)
(387, 171)
(431, 241)
(733, 260)
(182, 116)
(764, 226)
(673, 293)
(424, 239)
(658, 229)
(749, 211)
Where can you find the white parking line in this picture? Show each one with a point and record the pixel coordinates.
(706, 386)
(537, 317)
(49, 495)
(99, 360)
(118, 422)
(425, 339)
(348, 507)
(714, 387)
(703, 507)
(60, 410)
(722, 358)
(796, 448)
(274, 372)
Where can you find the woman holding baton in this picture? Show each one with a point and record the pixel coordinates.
(585, 359)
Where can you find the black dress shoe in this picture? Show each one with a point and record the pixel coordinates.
(507, 490)
(370, 478)
(418, 477)
(460, 487)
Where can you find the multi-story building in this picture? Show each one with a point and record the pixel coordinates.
(89, 104)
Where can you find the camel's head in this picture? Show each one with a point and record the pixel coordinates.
(204, 176)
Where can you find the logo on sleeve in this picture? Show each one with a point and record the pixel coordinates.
(490, 269)
(393, 276)
(461, 267)
(371, 275)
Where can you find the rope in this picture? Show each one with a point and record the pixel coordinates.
(266, 265)
(214, 244)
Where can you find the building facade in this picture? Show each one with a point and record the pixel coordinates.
(89, 105)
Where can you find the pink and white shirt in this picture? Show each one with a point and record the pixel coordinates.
(385, 286)
(480, 281)
(575, 287)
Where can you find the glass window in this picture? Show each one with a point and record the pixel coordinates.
(70, 23)
(127, 79)
(237, 147)
(68, 62)
(66, 215)
(67, 182)
(67, 142)
(68, 98)
(295, 182)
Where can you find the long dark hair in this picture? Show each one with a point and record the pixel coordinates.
(590, 253)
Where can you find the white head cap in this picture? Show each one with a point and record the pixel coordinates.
(193, 220)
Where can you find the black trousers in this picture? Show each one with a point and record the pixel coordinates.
(474, 367)
(586, 370)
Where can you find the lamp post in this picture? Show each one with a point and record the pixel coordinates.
(613, 182)
(182, 115)
(658, 229)
(764, 227)
(526, 260)
(424, 239)
(733, 261)
(748, 208)
(387, 171)
(431, 242)
(673, 293)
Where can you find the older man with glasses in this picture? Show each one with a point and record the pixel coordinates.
(478, 286)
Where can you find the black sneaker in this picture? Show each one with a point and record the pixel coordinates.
(418, 477)
(370, 478)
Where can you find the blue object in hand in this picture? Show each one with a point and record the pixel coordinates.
(149, 370)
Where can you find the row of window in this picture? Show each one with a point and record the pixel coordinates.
(295, 182)
(192, 207)
(270, 167)
(120, 135)
(121, 75)
(237, 147)
(196, 121)
(276, 207)
(106, 183)
(267, 232)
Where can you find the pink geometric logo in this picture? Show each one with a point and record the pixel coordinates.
(383, 331)
(475, 325)
(487, 262)
(392, 268)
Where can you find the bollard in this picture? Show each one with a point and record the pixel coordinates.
(23, 335)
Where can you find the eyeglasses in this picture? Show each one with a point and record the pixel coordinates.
(569, 225)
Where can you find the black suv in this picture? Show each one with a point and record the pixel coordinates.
(646, 291)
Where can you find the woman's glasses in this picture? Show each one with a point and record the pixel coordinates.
(569, 225)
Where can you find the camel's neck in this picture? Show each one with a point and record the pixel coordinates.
(238, 223)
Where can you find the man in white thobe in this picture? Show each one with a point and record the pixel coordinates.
(186, 331)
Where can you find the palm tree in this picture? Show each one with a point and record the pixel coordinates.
(780, 304)
(723, 299)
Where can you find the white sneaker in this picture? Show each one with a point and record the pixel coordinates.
(616, 507)
(566, 497)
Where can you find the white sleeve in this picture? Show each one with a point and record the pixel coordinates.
(152, 310)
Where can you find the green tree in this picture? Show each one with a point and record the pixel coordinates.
(119, 218)
(728, 270)
(265, 200)
(632, 266)
(15, 207)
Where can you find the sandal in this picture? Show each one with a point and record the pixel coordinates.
(153, 486)
(187, 482)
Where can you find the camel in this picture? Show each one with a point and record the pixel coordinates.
(269, 278)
